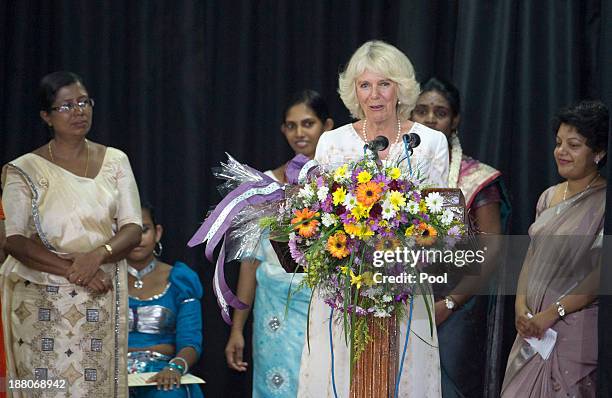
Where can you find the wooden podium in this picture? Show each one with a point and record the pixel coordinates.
(375, 371)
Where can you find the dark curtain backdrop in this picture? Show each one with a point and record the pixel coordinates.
(178, 83)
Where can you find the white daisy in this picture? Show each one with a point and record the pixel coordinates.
(388, 211)
(350, 201)
(434, 202)
(412, 206)
(447, 217)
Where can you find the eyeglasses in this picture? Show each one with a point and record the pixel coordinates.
(81, 105)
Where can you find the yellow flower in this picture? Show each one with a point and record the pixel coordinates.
(352, 229)
(336, 245)
(397, 200)
(366, 231)
(338, 196)
(344, 269)
(368, 193)
(360, 211)
(383, 223)
(359, 230)
(364, 177)
(422, 206)
(356, 279)
(341, 173)
(368, 278)
(409, 231)
(394, 173)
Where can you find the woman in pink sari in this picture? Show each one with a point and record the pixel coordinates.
(469, 342)
(558, 284)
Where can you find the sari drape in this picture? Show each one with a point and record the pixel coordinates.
(52, 328)
(565, 248)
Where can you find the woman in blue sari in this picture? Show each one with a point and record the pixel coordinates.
(279, 324)
(165, 318)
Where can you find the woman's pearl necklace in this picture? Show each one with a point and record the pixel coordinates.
(365, 134)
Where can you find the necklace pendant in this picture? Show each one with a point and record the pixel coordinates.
(138, 284)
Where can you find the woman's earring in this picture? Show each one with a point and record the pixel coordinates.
(597, 158)
(157, 252)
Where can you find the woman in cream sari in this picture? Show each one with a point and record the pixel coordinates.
(558, 283)
(73, 214)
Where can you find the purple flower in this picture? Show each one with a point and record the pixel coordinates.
(381, 178)
(327, 205)
(296, 254)
(454, 231)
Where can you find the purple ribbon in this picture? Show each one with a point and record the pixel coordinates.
(216, 225)
(293, 168)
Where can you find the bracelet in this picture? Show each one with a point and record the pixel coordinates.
(185, 368)
(176, 367)
(108, 248)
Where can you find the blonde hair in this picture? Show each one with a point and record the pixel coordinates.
(383, 58)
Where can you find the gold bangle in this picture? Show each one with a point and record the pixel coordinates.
(109, 249)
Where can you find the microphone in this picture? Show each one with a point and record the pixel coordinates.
(378, 144)
(411, 140)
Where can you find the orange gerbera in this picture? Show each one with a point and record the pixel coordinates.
(305, 223)
(336, 245)
(426, 235)
(368, 193)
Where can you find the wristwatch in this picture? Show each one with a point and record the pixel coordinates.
(560, 309)
(450, 303)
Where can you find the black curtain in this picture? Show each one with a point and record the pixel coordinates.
(178, 83)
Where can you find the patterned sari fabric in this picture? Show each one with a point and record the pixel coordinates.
(52, 328)
(565, 249)
(279, 327)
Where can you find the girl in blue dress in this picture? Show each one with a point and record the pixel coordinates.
(165, 318)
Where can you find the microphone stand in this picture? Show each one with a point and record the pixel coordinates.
(408, 152)
(374, 155)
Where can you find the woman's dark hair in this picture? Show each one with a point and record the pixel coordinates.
(592, 119)
(52, 83)
(150, 208)
(448, 91)
(311, 99)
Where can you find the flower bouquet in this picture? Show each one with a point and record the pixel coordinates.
(346, 227)
(341, 224)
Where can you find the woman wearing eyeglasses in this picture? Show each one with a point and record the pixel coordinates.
(72, 215)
